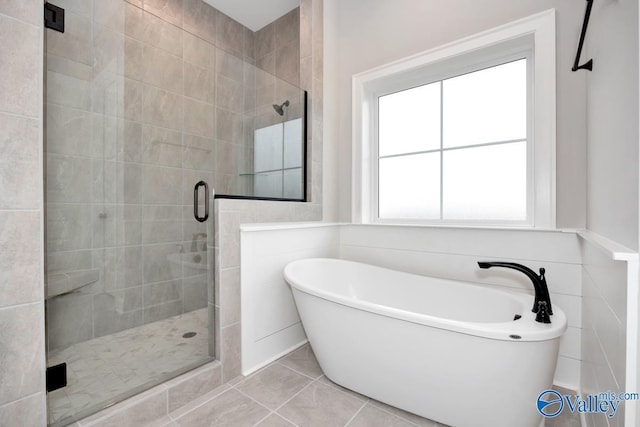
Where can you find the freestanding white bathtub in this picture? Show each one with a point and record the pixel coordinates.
(442, 349)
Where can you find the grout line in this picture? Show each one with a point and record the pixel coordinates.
(264, 418)
(399, 416)
(22, 398)
(298, 372)
(21, 305)
(356, 414)
(251, 398)
(293, 397)
(286, 419)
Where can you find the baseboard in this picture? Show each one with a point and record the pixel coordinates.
(274, 358)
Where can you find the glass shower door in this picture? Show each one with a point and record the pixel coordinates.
(129, 289)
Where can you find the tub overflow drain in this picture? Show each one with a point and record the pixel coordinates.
(189, 335)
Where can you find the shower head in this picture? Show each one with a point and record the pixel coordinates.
(280, 108)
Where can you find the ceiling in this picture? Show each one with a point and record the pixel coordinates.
(254, 14)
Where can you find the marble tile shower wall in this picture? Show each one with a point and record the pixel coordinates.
(21, 233)
(277, 52)
(144, 99)
(229, 214)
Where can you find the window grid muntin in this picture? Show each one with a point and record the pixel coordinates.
(527, 56)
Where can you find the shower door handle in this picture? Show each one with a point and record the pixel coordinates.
(196, 214)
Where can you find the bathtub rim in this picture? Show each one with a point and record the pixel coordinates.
(526, 328)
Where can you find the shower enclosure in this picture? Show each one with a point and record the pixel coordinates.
(142, 104)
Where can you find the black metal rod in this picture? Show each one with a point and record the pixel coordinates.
(589, 64)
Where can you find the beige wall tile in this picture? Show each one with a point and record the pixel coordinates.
(69, 131)
(229, 296)
(229, 127)
(22, 347)
(230, 352)
(288, 63)
(20, 73)
(161, 108)
(30, 411)
(162, 185)
(198, 51)
(107, 14)
(129, 183)
(249, 46)
(199, 83)
(229, 34)
(76, 42)
(195, 292)
(155, 263)
(202, 381)
(200, 19)
(198, 118)
(27, 11)
(19, 152)
(161, 224)
(161, 34)
(287, 28)
(162, 311)
(117, 310)
(68, 179)
(161, 147)
(69, 320)
(265, 41)
(198, 153)
(162, 69)
(306, 30)
(69, 227)
(140, 410)
(133, 59)
(20, 265)
(169, 10)
(128, 141)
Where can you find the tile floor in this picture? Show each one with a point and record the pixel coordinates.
(292, 391)
(100, 370)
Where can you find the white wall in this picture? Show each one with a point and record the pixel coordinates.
(612, 199)
(609, 353)
(270, 323)
(612, 121)
(375, 32)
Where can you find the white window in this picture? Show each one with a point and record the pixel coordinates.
(463, 134)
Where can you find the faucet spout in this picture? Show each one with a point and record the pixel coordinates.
(542, 301)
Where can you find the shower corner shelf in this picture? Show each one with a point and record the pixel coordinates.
(64, 282)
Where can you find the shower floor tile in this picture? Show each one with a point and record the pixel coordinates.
(101, 369)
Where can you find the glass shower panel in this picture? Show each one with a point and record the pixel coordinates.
(276, 168)
(130, 113)
(142, 104)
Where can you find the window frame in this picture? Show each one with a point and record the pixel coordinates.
(532, 37)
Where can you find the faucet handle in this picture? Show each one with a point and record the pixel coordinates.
(543, 315)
